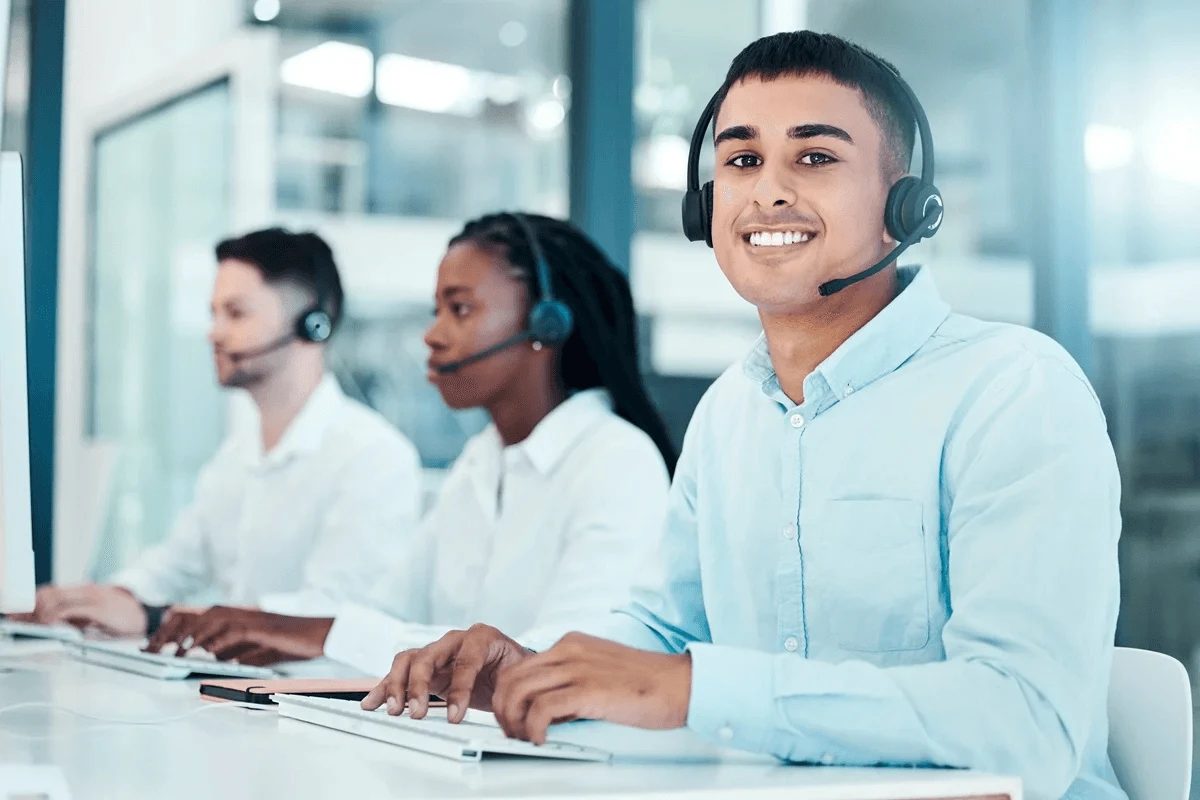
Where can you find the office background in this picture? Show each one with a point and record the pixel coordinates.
(1066, 133)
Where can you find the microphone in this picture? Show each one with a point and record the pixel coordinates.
(488, 352)
(281, 342)
(833, 287)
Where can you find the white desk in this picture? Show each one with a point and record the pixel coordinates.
(236, 753)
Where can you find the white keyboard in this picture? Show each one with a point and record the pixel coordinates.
(128, 656)
(467, 741)
(34, 630)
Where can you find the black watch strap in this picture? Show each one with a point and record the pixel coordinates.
(154, 617)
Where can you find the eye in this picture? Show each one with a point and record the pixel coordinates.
(817, 159)
(460, 309)
(744, 161)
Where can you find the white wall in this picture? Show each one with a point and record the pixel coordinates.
(113, 47)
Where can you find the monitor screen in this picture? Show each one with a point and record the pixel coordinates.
(16, 528)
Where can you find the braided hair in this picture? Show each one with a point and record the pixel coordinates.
(602, 349)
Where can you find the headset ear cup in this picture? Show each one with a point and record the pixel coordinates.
(925, 198)
(551, 322)
(315, 326)
(894, 217)
(693, 215)
(706, 197)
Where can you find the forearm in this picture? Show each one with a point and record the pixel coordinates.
(976, 714)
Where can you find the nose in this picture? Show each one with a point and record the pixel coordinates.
(775, 188)
(435, 338)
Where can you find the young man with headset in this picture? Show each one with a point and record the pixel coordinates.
(892, 535)
(296, 510)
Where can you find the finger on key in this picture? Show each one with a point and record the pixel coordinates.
(468, 663)
(395, 684)
(437, 656)
(169, 632)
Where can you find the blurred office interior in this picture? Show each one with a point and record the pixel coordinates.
(1066, 138)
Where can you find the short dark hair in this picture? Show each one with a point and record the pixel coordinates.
(602, 349)
(803, 53)
(302, 260)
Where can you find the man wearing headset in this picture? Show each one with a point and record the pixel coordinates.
(298, 507)
(892, 535)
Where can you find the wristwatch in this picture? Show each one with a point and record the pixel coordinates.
(154, 617)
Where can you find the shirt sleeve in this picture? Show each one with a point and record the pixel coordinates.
(368, 639)
(367, 634)
(664, 612)
(1032, 493)
(371, 521)
(181, 565)
(618, 502)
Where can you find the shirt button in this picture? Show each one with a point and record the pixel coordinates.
(725, 734)
(849, 390)
(791, 644)
(797, 421)
(827, 759)
(789, 532)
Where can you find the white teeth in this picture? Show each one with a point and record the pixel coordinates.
(769, 239)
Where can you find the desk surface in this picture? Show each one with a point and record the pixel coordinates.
(231, 752)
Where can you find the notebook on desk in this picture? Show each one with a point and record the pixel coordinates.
(128, 657)
(467, 741)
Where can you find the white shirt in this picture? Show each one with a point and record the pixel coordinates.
(300, 529)
(535, 539)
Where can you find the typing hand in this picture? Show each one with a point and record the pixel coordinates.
(112, 609)
(247, 635)
(462, 667)
(583, 677)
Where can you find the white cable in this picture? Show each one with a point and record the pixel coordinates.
(115, 721)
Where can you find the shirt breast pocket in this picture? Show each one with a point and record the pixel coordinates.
(870, 574)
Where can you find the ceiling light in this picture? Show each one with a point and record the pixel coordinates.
(513, 34)
(335, 67)
(545, 117)
(266, 10)
(432, 86)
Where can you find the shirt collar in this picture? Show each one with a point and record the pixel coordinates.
(558, 432)
(306, 433)
(874, 350)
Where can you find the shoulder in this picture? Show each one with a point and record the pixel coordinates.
(616, 447)
(1016, 361)
(359, 432)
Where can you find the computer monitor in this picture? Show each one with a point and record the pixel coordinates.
(16, 525)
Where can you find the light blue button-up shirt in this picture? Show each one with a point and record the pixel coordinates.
(916, 565)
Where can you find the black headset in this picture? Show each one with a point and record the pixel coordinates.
(550, 321)
(913, 211)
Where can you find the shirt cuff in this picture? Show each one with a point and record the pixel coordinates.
(304, 603)
(732, 702)
(140, 586)
(368, 639)
(363, 638)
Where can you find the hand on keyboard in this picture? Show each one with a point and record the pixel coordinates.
(110, 609)
(245, 635)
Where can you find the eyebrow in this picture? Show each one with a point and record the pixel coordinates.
(814, 130)
(746, 133)
(450, 291)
